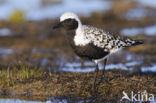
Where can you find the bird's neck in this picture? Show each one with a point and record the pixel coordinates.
(78, 31)
(79, 38)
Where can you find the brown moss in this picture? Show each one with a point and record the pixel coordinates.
(72, 85)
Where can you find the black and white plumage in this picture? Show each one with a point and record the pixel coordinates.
(100, 39)
(91, 42)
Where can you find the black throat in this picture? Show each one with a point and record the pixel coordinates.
(70, 24)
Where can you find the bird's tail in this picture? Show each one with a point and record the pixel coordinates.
(130, 42)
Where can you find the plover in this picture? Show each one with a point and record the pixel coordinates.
(90, 42)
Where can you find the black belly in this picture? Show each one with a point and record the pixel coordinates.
(88, 51)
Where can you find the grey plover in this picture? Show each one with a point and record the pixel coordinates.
(90, 42)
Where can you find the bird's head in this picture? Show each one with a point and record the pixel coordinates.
(69, 21)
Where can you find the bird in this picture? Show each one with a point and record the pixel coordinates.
(92, 43)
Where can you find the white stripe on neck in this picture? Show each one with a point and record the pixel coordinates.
(79, 38)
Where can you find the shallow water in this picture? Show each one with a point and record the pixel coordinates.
(138, 13)
(19, 101)
(114, 62)
(76, 67)
(5, 32)
(149, 30)
(151, 68)
(50, 100)
(5, 51)
(56, 62)
(35, 10)
(149, 3)
(53, 100)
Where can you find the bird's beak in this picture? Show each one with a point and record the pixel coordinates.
(57, 25)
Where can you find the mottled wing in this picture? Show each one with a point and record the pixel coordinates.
(102, 39)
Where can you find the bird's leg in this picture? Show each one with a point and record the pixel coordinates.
(104, 66)
(95, 76)
(103, 72)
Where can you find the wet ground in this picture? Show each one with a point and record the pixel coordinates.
(36, 62)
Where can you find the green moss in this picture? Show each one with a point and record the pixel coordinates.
(18, 73)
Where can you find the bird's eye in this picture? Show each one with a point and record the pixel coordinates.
(69, 19)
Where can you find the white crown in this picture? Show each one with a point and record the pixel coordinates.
(69, 15)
